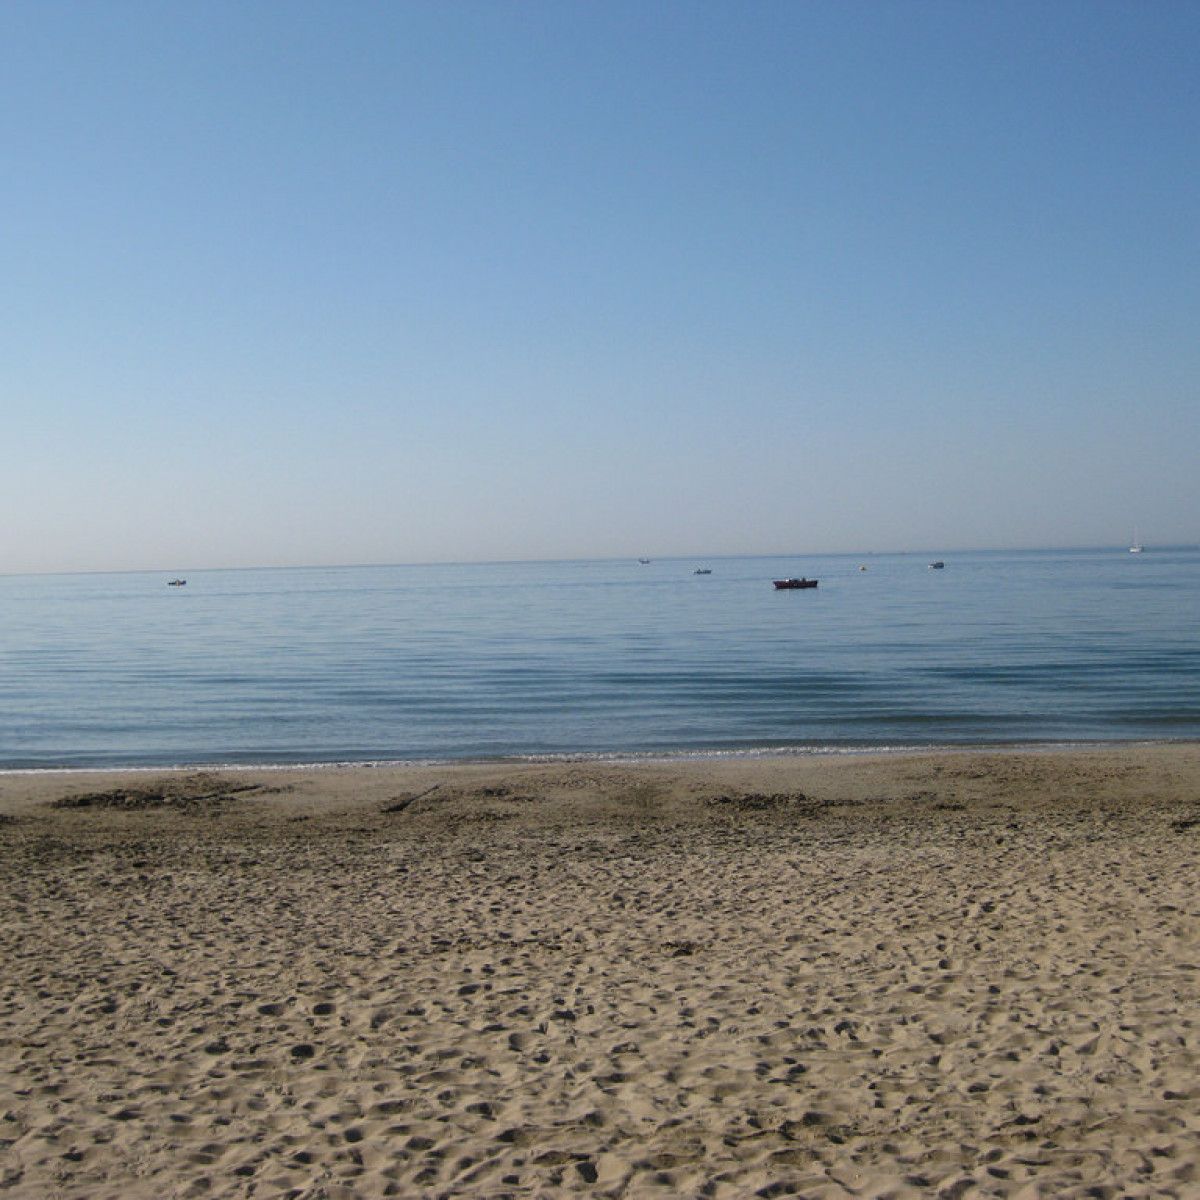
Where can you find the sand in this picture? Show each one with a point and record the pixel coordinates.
(948, 975)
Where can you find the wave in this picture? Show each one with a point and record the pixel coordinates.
(599, 756)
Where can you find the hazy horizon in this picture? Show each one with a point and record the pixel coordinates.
(310, 284)
(690, 559)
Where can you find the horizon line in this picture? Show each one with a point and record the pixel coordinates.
(614, 558)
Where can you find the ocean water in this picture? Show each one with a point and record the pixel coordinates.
(598, 658)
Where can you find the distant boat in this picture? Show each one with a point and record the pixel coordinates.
(1137, 546)
(862, 568)
(176, 583)
(643, 561)
(785, 585)
(702, 571)
(937, 565)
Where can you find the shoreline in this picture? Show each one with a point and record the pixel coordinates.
(965, 974)
(623, 758)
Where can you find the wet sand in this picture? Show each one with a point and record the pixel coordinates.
(949, 975)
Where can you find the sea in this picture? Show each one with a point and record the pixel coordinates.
(599, 659)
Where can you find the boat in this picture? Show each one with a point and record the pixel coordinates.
(785, 585)
(176, 583)
(937, 565)
(702, 571)
(1137, 546)
(643, 561)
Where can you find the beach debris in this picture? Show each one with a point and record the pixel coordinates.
(401, 803)
(190, 792)
(761, 801)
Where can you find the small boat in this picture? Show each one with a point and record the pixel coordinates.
(1137, 546)
(702, 571)
(937, 565)
(784, 585)
(643, 561)
(176, 583)
(862, 568)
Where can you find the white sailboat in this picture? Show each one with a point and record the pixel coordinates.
(1136, 547)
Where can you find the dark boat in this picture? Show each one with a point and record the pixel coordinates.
(176, 583)
(702, 571)
(787, 584)
(937, 565)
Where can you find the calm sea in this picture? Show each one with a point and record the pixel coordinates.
(601, 657)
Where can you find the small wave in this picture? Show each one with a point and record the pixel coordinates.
(614, 756)
(833, 751)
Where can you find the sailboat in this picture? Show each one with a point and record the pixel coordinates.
(1136, 547)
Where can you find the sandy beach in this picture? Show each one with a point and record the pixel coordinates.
(952, 975)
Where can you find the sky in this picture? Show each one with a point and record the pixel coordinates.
(315, 283)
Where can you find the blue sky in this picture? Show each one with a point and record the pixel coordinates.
(318, 283)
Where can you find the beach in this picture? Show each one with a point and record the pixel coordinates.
(958, 974)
